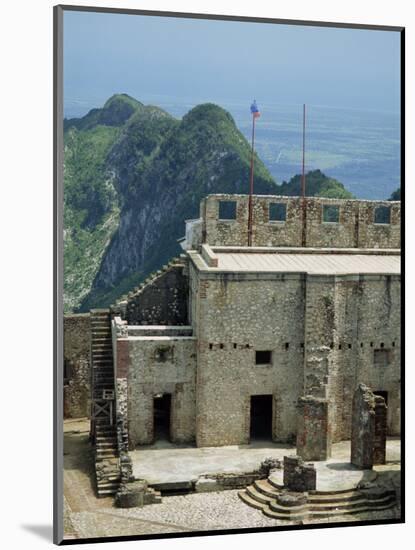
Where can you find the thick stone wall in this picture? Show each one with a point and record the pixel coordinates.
(160, 365)
(161, 302)
(355, 227)
(77, 382)
(326, 334)
(235, 316)
(357, 320)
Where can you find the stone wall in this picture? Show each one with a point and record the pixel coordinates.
(163, 301)
(77, 382)
(353, 318)
(325, 334)
(233, 317)
(355, 227)
(160, 365)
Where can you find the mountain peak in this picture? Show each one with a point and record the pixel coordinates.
(208, 112)
(121, 99)
(115, 112)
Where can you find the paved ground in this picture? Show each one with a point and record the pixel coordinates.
(87, 516)
(165, 462)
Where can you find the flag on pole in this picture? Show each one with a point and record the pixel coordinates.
(254, 110)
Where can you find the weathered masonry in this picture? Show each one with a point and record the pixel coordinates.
(228, 343)
(77, 371)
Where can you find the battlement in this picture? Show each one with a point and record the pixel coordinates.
(288, 221)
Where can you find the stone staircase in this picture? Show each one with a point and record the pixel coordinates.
(271, 499)
(107, 470)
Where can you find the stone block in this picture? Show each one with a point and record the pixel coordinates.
(131, 495)
(206, 485)
(298, 476)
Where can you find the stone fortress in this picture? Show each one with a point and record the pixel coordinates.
(230, 343)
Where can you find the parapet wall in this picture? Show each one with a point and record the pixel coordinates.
(356, 222)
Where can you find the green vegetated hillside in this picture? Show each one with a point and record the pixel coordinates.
(133, 174)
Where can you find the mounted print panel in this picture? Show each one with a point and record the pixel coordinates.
(228, 198)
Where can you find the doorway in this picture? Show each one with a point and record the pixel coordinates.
(383, 394)
(261, 417)
(162, 412)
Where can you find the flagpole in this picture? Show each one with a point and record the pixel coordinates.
(303, 203)
(251, 185)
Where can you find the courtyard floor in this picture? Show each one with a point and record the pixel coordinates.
(86, 516)
(168, 463)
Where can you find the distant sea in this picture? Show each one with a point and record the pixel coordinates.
(360, 148)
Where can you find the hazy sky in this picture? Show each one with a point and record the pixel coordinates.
(228, 61)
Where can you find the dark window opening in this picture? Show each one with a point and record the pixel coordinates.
(277, 212)
(393, 344)
(263, 357)
(361, 344)
(287, 345)
(331, 214)
(67, 371)
(235, 346)
(247, 346)
(371, 344)
(350, 346)
(340, 346)
(381, 358)
(163, 354)
(383, 394)
(210, 346)
(302, 345)
(382, 214)
(221, 346)
(227, 210)
(261, 417)
(162, 411)
(331, 345)
(382, 345)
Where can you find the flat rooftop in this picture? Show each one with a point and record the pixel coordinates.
(297, 260)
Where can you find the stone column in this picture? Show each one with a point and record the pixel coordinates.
(368, 429)
(313, 430)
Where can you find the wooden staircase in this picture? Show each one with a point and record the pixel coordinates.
(107, 470)
(264, 495)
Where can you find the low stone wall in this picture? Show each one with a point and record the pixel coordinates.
(162, 301)
(77, 369)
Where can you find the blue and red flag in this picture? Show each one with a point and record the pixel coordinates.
(254, 109)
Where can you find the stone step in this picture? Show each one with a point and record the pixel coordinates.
(100, 347)
(106, 445)
(107, 492)
(105, 429)
(258, 496)
(105, 453)
(320, 506)
(275, 484)
(333, 497)
(243, 495)
(108, 483)
(322, 514)
(347, 505)
(264, 486)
